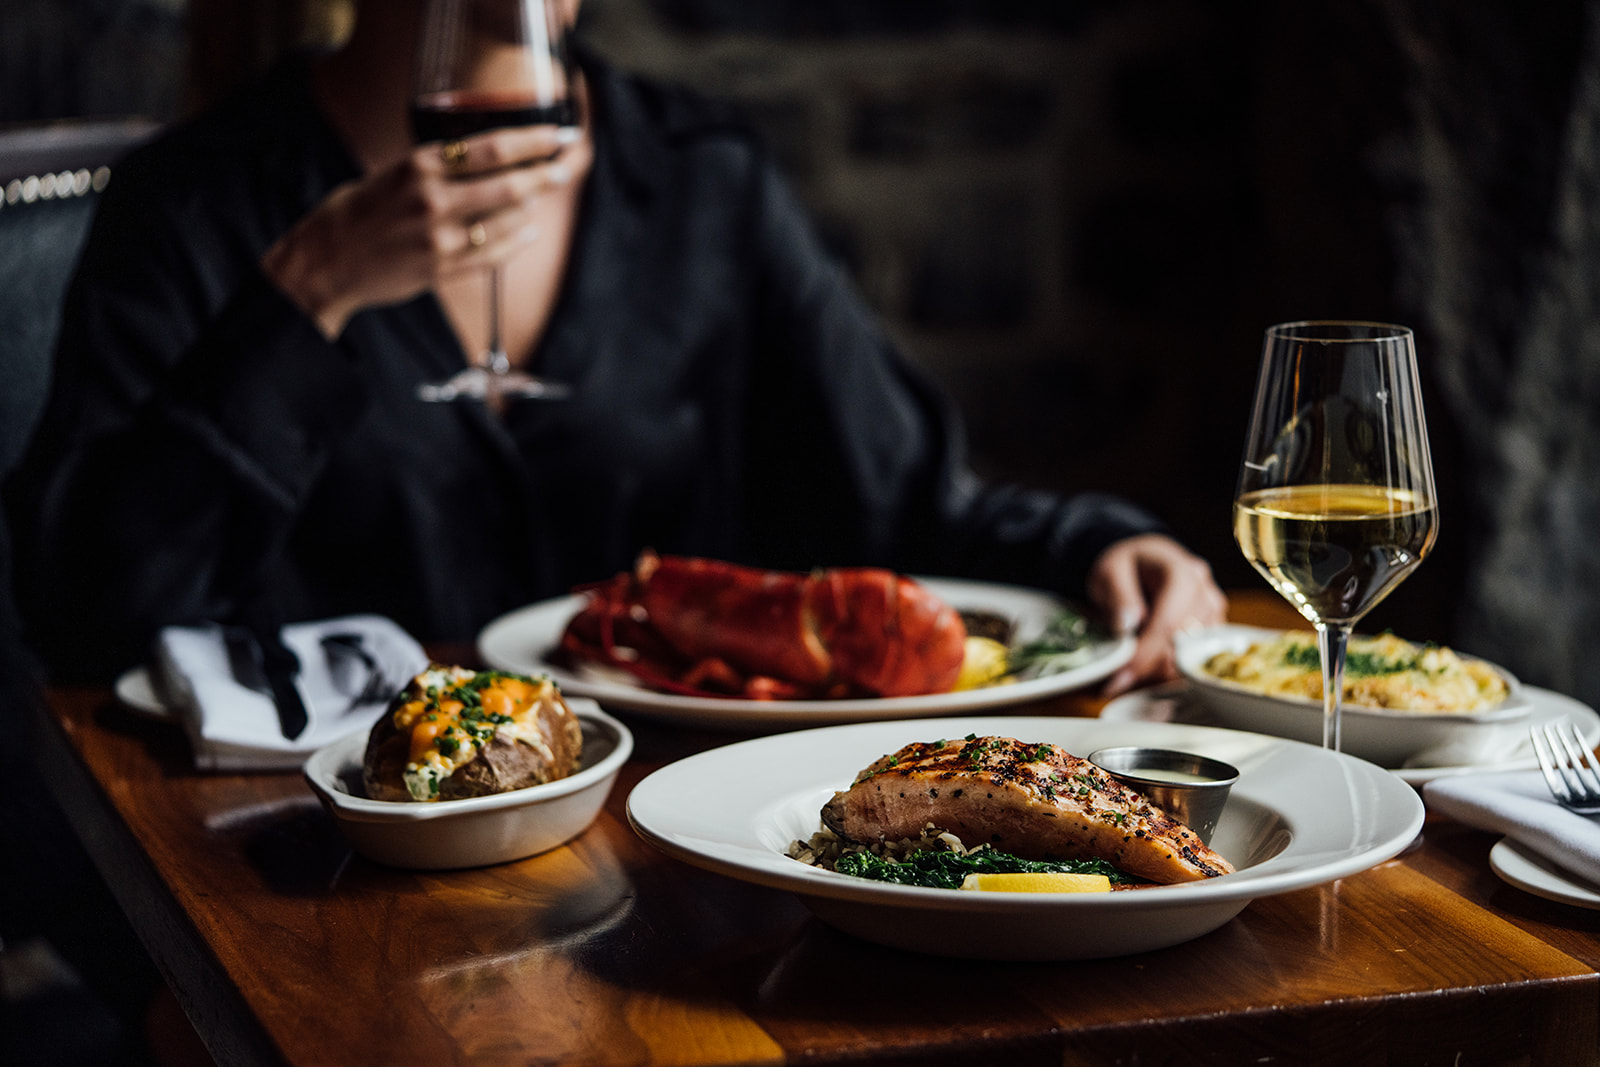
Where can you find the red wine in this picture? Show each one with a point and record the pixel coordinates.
(451, 116)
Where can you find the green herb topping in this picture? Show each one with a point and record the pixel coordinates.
(1357, 663)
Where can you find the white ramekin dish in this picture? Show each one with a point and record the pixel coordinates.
(477, 831)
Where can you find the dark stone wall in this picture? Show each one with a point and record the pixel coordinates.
(1498, 254)
(1078, 217)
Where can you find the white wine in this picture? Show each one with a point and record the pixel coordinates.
(1334, 550)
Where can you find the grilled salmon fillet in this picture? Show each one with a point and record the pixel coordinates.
(1036, 801)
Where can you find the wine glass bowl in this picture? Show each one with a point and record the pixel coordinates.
(1335, 503)
(1334, 551)
(483, 65)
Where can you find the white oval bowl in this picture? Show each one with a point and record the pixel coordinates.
(477, 831)
(1385, 736)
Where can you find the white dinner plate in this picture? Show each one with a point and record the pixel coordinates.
(1534, 874)
(524, 640)
(1298, 816)
(1176, 703)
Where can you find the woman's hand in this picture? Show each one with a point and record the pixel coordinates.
(1153, 586)
(440, 211)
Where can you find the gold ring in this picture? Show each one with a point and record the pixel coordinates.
(477, 236)
(454, 153)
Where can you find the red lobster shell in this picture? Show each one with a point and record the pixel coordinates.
(703, 627)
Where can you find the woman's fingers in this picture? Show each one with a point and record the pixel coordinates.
(476, 205)
(443, 210)
(495, 150)
(490, 239)
(485, 190)
(1161, 588)
(465, 202)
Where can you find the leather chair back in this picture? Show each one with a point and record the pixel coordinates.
(50, 178)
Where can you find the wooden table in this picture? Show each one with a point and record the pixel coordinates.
(284, 947)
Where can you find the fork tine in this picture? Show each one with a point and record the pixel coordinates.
(1582, 758)
(1565, 763)
(1568, 761)
(1544, 749)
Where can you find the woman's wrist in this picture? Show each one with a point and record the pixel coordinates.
(303, 277)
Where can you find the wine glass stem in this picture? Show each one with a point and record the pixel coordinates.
(1332, 638)
(499, 362)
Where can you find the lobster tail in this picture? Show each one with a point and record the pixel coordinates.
(754, 620)
(888, 635)
(705, 626)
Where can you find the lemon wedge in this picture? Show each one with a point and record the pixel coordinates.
(983, 661)
(1051, 882)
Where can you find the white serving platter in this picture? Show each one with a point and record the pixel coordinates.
(524, 641)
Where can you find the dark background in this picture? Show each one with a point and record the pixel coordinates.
(1079, 217)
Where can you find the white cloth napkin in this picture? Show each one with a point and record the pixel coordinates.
(1518, 804)
(350, 668)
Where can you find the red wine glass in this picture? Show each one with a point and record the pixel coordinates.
(481, 65)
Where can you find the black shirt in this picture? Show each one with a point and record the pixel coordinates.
(733, 397)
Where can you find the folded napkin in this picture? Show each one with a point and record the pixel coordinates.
(350, 668)
(1518, 804)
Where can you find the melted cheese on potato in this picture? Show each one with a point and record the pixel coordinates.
(455, 712)
(1384, 671)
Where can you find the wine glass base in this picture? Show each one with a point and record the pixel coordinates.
(479, 383)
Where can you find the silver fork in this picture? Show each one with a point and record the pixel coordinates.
(1569, 766)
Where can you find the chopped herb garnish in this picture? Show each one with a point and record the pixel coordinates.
(1357, 662)
(1067, 641)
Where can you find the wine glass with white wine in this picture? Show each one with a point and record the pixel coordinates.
(1335, 504)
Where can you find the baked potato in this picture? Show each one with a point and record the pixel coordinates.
(453, 733)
